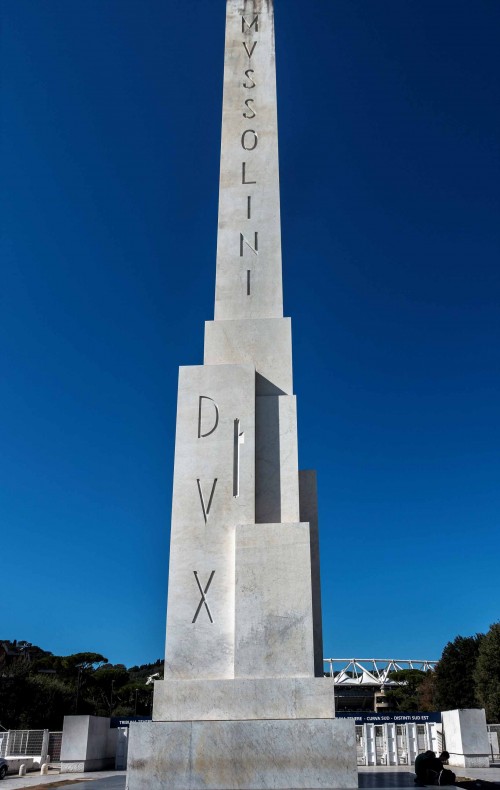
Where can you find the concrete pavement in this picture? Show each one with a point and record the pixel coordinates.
(376, 777)
(111, 780)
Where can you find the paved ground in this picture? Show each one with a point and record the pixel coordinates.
(378, 777)
(395, 778)
(370, 778)
(107, 783)
(104, 780)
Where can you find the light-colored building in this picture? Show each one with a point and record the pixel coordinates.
(363, 684)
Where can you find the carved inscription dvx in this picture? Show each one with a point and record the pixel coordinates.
(208, 424)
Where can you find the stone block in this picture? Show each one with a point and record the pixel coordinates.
(88, 744)
(266, 344)
(308, 498)
(273, 606)
(242, 755)
(466, 737)
(276, 460)
(214, 489)
(242, 699)
(15, 764)
(249, 201)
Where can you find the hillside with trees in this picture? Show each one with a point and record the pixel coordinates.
(37, 688)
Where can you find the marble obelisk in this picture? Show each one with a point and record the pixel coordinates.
(243, 702)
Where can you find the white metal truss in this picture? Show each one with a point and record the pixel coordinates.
(372, 671)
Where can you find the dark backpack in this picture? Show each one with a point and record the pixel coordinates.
(446, 777)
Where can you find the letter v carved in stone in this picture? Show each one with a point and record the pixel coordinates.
(206, 509)
(249, 51)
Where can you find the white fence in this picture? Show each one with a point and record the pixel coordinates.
(31, 744)
(395, 744)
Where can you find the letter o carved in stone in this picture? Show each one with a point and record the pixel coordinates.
(254, 140)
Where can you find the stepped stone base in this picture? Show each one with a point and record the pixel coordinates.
(242, 755)
(240, 699)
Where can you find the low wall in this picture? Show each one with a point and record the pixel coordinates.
(466, 737)
(16, 762)
(88, 744)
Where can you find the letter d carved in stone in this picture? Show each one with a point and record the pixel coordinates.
(208, 415)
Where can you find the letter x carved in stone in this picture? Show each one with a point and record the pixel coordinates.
(203, 593)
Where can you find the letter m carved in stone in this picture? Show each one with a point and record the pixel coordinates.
(248, 26)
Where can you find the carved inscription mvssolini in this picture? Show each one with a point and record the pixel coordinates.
(249, 137)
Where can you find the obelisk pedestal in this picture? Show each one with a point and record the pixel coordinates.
(243, 703)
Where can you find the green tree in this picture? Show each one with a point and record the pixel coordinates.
(427, 692)
(77, 669)
(134, 699)
(13, 694)
(102, 691)
(48, 699)
(406, 695)
(37, 688)
(454, 674)
(487, 673)
(86, 662)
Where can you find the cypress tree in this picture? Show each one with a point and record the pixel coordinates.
(454, 675)
(487, 674)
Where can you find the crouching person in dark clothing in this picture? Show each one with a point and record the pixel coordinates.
(429, 769)
(422, 762)
(446, 777)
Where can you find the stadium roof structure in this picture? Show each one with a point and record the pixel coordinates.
(372, 671)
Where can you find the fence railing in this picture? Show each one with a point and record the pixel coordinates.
(55, 742)
(25, 743)
(32, 744)
(393, 744)
(494, 739)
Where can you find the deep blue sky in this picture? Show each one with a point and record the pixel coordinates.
(389, 127)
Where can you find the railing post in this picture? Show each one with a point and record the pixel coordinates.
(45, 747)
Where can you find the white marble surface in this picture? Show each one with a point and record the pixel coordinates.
(88, 744)
(274, 626)
(466, 737)
(240, 706)
(276, 459)
(308, 497)
(202, 537)
(258, 60)
(264, 343)
(243, 699)
(242, 755)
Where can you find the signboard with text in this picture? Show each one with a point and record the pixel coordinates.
(124, 721)
(396, 717)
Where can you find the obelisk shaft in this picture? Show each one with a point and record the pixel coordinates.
(249, 281)
(239, 706)
(236, 458)
(249, 327)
